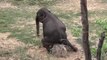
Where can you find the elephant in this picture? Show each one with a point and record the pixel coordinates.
(54, 30)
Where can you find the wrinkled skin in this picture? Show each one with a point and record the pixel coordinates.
(54, 31)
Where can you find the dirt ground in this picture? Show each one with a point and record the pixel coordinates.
(9, 44)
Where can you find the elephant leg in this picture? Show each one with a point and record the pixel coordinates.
(66, 42)
(46, 44)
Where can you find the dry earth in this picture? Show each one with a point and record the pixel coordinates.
(9, 44)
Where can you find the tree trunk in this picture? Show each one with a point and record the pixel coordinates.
(101, 40)
(85, 34)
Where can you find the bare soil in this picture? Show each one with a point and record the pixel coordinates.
(9, 44)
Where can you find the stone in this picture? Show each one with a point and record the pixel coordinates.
(59, 50)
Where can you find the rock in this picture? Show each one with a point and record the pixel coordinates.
(59, 50)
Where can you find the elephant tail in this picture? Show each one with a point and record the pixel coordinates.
(66, 42)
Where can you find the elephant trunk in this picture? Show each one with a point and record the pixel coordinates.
(37, 26)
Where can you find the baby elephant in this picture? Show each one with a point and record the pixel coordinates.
(54, 30)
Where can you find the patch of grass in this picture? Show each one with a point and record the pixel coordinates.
(11, 18)
(7, 17)
(67, 15)
(97, 14)
(104, 1)
(102, 23)
(23, 2)
(21, 53)
(94, 51)
(97, 26)
(76, 31)
(26, 36)
(1, 0)
(33, 2)
(46, 2)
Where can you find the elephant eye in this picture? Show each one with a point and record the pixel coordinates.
(49, 11)
(40, 15)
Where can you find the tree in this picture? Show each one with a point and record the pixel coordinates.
(85, 29)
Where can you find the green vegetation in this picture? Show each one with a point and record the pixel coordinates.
(18, 21)
(76, 31)
(11, 20)
(21, 52)
(32, 2)
(93, 51)
(104, 1)
(67, 15)
(102, 25)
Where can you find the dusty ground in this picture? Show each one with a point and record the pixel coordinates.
(8, 45)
